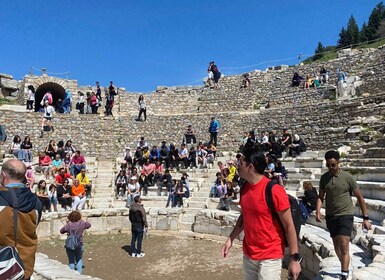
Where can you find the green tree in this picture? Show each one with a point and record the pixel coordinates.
(375, 18)
(318, 51)
(352, 31)
(363, 35)
(343, 41)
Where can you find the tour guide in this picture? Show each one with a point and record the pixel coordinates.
(263, 242)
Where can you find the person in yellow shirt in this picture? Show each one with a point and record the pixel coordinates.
(85, 181)
(232, 169)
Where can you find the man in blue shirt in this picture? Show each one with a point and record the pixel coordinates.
(213, 130)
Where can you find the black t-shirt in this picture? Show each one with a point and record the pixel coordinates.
(286, 135)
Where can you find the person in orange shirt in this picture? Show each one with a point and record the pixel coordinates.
(78, 195)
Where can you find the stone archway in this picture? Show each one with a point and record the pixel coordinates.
(57, 91)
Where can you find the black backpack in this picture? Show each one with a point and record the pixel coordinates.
(294, 208)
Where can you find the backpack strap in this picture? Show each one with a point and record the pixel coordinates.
(270, 202)
(15, 207)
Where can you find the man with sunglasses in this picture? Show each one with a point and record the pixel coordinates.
(337, 187)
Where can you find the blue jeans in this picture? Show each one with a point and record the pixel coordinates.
(170, 199)
(75, 256)
(137, 237)
(75, 169)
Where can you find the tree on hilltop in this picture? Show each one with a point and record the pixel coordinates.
(375, 19)
(350, 35)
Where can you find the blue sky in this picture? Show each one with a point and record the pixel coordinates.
(142, 44)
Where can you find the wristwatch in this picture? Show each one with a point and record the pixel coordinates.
(366, 218)
(296, 257)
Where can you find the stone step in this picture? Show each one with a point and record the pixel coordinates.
(376, 174)
(197, 204)
(198, 199)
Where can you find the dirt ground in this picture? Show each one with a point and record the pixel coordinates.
(107, 257)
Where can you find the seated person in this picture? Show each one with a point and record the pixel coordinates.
(297, 146)
(52, 195)
(179, 194)
(57, 163)
(296, 80)
(183, 155)
(270, 168)
(64, 195)
(324, 75)
(61, 177)
(69, 148)
(265, 141)
(133, 189)
(158, 172)
(121, 182)
(51, 149)
(232, 171)
(127, 157)
(67, 162)
(211, 152)
(142, 143)
(85, 181)
(78, 162)
(146, 154)
(41, 192)
(45, 165)
(154, 154)
(218, 181)
(148, 170)
(280, 172)
(192, 157)
(308, 201)
(186, 184)
(138, 157)
(200, 157)
(166, 182)
(286, 139)
(78, 195)
(229, 196)
(164, 156)
(30, 175)
(189, 136)
(173, 156)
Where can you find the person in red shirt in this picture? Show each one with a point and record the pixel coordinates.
(263, 243)
(60, 178)
(77, 163)
(45, 165)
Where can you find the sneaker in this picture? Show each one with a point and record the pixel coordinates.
(133, 255)
(141, 255)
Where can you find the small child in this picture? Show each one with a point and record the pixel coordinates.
(52, 194)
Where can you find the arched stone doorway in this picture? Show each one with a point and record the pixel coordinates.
(57, 91)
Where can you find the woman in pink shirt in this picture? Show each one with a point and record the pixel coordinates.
(149, 170)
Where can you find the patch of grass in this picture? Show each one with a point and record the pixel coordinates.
(325, 57)
(371, 45)
(4, 101)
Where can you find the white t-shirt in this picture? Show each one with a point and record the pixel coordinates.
(31, 95)
(48, 111)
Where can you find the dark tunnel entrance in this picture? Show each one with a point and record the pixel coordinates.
(56, 90)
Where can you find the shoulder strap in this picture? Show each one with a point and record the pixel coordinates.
(269, 198)
(15, 211)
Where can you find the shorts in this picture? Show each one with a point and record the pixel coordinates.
(48, 118)
(340, 225)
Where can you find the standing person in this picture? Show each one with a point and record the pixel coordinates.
(210, 75)
(142, 108)
(3, 137)
(47, 117)
(138, 221)
(94, 103)
(80, 103)
(213, 130)
(28, 207)
(264, 242)
(341, 82)
(75, 225)
(31, 97)
(216, 74)
(337, 186)
(98, 91)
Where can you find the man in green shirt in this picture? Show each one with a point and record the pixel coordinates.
(338, 186)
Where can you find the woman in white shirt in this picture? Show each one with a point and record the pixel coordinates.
(31, 97)
(132, 190)
(47, 117)
(142, 107)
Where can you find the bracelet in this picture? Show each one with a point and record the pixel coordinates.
(366, 218)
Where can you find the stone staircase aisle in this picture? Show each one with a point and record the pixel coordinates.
(103, 185)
